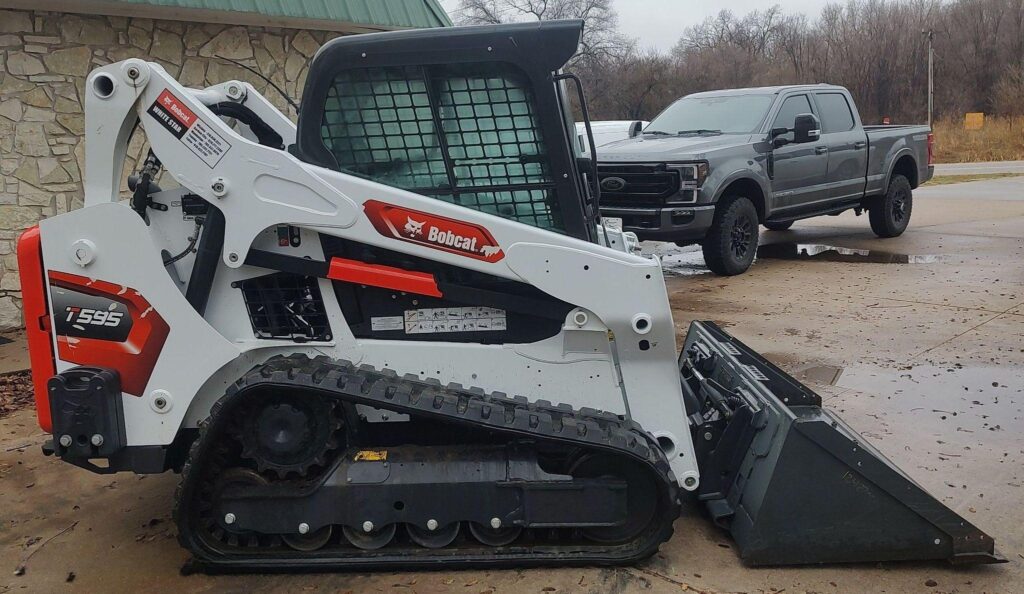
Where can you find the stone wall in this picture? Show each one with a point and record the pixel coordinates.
(44, 59)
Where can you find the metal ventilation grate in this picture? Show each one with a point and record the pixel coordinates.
(285, 306)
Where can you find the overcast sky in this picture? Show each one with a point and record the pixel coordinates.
(659, 23)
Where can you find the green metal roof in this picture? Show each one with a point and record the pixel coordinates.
(375, 13)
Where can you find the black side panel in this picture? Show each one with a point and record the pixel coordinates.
(527, 314)
(207, 259)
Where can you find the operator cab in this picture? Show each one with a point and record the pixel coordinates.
(474, 116)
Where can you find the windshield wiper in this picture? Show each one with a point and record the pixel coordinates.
(656, 132)
(698, 131)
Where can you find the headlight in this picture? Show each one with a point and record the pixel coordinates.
(691, 175)
(691, 178)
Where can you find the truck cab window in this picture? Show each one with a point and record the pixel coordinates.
(835, 112)
(791, 107)
(465, 133)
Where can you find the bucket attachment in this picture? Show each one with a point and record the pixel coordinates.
(792, 482)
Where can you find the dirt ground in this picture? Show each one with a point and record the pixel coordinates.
(917, 341)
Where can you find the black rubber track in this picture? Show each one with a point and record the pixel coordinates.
(587, 429)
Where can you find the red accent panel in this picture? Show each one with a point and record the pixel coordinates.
(134, 358)
(386, 277)
(440, 233)
(37, 321)
(176, 108)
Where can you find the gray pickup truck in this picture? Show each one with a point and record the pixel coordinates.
(713, 166)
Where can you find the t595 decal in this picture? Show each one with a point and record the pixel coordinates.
(107, 325)
(442, 233)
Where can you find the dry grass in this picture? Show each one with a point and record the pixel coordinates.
(1002, 139)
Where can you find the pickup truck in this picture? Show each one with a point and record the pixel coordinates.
(713, 166)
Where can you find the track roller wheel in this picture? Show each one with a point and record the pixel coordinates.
(309, 542)
(218, 526)
(494, 537)
(641, 495)
(376, 538)
(433, 539)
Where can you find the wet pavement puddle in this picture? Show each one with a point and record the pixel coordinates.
(832, 253)
(975, 399)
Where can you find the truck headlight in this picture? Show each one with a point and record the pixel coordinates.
(691, 178)
(692, 175)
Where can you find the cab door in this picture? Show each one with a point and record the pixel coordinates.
(847, 146)
(800, 170)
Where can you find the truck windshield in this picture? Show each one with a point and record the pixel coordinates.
(727, 114)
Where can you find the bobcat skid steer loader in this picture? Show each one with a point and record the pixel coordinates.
(396, 334)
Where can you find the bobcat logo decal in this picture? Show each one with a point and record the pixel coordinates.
(413, 228)
(434, 231)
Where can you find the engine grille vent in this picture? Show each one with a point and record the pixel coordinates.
(285, 306)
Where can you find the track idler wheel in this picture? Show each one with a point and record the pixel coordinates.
(310, 541)
(438, 538)
(495, 537)
(641, 495)
(373, 539)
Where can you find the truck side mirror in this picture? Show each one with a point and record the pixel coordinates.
(635, 128)
(776, 135)
(806, 128)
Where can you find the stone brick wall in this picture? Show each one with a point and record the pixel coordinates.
(44, 59)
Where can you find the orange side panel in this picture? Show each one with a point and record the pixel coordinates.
(37, 321)
(136, 357)
(385, 277)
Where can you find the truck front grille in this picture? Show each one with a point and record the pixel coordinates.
(637, 185)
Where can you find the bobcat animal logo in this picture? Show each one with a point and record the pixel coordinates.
(489, 250)
(413, 228)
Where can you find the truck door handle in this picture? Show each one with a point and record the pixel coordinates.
(821, 150)
(860, 144)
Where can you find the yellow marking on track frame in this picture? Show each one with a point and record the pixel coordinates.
(371, 456)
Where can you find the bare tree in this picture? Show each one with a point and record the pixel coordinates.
(873, 47)
(601, 39)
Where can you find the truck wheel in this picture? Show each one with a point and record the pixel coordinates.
(731, 242)
(890, 214)
(778, 226)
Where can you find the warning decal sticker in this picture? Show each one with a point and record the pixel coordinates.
(183, 123)
(454, 319)
(205, 143)
(387, 323)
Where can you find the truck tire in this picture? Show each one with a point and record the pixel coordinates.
(731, 242)
(890, 214)
(778, 226)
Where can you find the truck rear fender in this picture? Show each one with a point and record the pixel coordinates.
(904, 164)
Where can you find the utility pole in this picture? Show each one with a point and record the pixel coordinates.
(929, 35)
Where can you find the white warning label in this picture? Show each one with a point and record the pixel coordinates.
(454, 319)
(387, 323)
(205, 143)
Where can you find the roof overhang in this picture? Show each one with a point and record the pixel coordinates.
(189, 14)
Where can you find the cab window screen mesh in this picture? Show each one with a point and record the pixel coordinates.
(465, 134)
(378, 124)
(490, 128)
